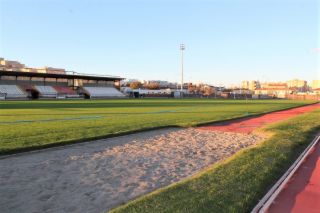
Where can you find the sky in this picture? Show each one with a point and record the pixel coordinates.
(226, 40)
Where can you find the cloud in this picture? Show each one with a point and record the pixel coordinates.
(316, 50)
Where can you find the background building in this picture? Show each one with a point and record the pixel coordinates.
(298, 85)
(7, 65)
(315, 84)
(51, 70)
(250, 85)
(10, 65)
(273, 89)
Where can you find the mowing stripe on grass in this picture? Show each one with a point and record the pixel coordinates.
(50, 120)
(93, 117)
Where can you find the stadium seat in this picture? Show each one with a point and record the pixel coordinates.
(66, 92)
(46, 91)
(103, 92)
(12, 91)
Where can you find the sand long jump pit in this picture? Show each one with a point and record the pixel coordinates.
(97, 176)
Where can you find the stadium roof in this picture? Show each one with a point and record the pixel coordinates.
(67, 76)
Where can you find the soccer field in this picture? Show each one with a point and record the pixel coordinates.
(36, 124)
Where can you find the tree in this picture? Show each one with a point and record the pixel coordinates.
(135, 85)
(208, 91)
(191, 88)
(153, 86)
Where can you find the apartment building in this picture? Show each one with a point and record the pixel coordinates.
(315, 84)
(274, 90)
(51, 70)
(250, 85)
(298, 85)
(10, 65)
(7, 65)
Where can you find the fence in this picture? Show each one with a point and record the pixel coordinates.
(315, 97)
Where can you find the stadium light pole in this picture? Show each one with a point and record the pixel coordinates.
(182, 48)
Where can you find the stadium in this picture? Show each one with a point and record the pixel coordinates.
(210, 106)
(76, 143)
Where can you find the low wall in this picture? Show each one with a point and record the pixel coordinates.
(303, 97)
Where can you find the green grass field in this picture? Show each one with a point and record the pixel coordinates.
(237, 184)
(35, 124)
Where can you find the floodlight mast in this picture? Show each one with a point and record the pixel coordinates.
(182, 48)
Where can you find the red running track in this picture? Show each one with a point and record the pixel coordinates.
(302, 193)
(247, 125)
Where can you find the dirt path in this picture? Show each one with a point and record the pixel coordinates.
(96, 176)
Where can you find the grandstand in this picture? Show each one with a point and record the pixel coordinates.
(32, 85)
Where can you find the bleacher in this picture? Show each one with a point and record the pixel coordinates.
(46, 91)
(103, 92)
(12, 92)
(66, 92)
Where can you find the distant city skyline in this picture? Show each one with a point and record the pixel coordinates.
(226, 41)
(19, 66)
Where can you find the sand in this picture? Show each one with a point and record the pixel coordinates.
(99, 175)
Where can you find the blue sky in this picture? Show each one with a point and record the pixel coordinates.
(226, 40)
